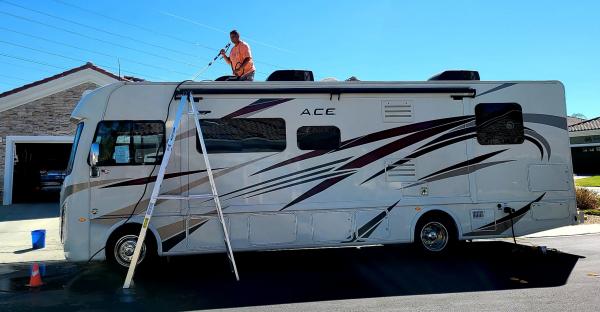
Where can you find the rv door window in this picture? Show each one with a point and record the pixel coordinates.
(147, 139)
(242, 135)
(126, 142)
(499, 123)
(318, 137)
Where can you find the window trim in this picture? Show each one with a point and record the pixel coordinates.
(321, 126)
(197, 140)
(163, 143)
(506, 103)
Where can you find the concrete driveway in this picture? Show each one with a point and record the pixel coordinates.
(16, 223)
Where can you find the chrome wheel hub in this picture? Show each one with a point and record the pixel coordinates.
(434, 236)
(124, 250)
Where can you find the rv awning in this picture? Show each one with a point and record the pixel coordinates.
(454, 92)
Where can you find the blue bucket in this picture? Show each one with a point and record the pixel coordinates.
(38, 239)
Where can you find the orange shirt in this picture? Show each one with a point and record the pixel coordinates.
(237, 56)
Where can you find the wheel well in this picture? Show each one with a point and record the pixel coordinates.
(133, 228)
(438, 214)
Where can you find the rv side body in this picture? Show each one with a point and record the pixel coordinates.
(383, 159)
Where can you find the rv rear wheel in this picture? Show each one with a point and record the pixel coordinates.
(435, 234)
(121, 244)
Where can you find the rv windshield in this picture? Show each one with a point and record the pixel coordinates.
(74, 147)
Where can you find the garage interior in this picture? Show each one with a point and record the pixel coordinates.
(585, 160)
(39, 169)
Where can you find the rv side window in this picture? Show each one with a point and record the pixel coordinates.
(74, 148)
(126, 142)
(242, 135)
(499, 123)
(318, 137)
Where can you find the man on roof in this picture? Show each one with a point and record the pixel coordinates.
(240, 58)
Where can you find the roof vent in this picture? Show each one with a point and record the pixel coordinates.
(291, 75)
(457, 75)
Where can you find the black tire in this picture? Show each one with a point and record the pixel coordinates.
(435, 234)
(121, 243)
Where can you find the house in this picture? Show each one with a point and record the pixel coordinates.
(36, 134)
(585, 146)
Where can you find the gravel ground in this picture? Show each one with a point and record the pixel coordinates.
(592, 219)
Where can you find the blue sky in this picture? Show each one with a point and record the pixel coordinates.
(373, 40)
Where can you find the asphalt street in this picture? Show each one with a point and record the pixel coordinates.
(480, 276)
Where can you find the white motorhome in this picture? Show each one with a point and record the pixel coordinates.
(302, 164)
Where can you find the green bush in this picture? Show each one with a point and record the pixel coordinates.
(595, 212)
(587, 199)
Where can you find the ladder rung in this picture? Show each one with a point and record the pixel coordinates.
(185, 197)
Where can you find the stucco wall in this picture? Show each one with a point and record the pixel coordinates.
(46, 116)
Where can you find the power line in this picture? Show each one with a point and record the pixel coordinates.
(154, 32)
(28, 67)
(99, 29)
(13, 77)
(97, 39)
(72, 58)
(32, 61)
(221, 30)
(92, 51)
(210, 27)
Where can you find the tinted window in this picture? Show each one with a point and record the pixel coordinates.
(585, 139)
(243, 135)
(74, 148)
(318, 137)
(499, 123)
(126, 142)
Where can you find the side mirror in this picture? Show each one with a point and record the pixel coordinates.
(94, 154)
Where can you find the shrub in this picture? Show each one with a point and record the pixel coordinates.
(587, 199)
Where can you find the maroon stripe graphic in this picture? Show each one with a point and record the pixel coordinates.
(375, 155)
(472, 161)
(304, 156)
(142, 181)
(451, 135)
(397, 145)
(504, 223)
(297, 183)
(317, 189)
(282, 182)
(373, 137)
(256, 106)
(385, 134)
(458, 172)
(420, 152)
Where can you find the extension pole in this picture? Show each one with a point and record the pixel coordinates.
(210, 63)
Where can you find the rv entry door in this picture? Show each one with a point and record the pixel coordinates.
(129, 155)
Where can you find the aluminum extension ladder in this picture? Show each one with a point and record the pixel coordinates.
(185, 99)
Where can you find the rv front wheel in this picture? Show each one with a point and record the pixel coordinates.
(120, 247)
(435, 234)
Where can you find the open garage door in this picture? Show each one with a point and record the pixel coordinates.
(586, 159)
(39, 170)
(34, 168)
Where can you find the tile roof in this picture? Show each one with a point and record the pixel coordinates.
(87, 65)
(591, 124)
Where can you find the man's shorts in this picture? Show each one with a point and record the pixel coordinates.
(247, 77)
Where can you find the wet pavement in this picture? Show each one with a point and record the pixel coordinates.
(267, 278)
